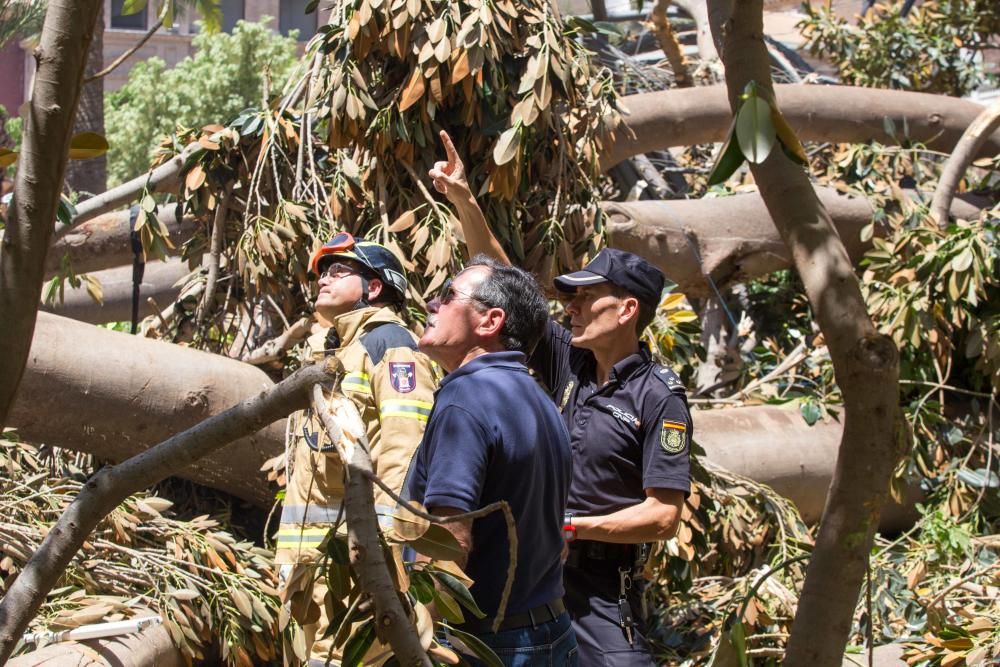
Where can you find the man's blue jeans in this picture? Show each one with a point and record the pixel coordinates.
(551, 644)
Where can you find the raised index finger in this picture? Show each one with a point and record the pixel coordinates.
(449, 148)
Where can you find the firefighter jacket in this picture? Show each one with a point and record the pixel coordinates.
(392, 384)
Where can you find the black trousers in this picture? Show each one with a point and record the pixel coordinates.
(592, 602)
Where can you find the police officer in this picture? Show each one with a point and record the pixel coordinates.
(629, 426)
(362, 287)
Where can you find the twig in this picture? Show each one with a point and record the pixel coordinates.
(794, 358)
(272, 349)
(215, 256)
(938, 385)
(138, 45)
(939, 598)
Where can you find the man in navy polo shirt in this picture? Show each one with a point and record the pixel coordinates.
(495, 435)
(629, 426)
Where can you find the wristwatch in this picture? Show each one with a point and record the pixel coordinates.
(569, 530)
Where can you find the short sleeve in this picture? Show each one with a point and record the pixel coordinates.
(666, 448)
(551, 357)
(455, 453)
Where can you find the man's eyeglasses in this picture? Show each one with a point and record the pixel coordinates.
(338, 270)
(448, 293)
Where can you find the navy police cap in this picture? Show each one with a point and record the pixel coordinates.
(624, 269)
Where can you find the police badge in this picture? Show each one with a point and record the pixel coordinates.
(672, 436)
(401, 375)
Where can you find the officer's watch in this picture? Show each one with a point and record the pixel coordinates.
(569, 530)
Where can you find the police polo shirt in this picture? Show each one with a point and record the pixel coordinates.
(493, 435)
(631, 434)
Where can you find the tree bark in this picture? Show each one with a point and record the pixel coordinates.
(114, 395)
(840, 114)
(152, 647)
(111, 485)
(61, 57)
(667, 40)
(159, 281)
(90, 177)
(965, 152)
(734, 236)
(865, 363)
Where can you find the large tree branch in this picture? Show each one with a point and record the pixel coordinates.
(965, 152)
(127, 393)
(162, 177)
(61, 57)
(111, 485)
(865, 361)
(839, 114)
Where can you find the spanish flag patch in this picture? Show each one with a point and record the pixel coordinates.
(672, 436)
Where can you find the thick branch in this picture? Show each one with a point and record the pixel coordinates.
(965, 152)
(667, 40)
(152, 647)
(61, 57)
(163, 177)
(865, 362)
(159, 281)
(111, 485)
(367, 555)
(127, 393)
(839, 114)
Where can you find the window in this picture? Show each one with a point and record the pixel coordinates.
(293, 17)
(232, 11)
(135, 21)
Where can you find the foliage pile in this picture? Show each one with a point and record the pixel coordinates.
(224, 76)
(936, 48)
(215, 592)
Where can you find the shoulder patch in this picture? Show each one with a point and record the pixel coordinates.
(672, 436)
(385, 337)
(670, 378)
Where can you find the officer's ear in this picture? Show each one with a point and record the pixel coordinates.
(491, 324)
(628, 310)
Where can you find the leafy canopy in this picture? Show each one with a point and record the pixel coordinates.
(225, 75)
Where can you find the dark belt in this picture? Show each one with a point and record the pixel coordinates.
(531, 618)
(602, 556)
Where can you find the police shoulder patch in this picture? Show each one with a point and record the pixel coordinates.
(672, 436)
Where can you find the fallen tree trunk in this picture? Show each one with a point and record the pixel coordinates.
(733, 236)
(158, 282)
(105, 490)
(113, 395)
(105, 242)
(152, 647)
(840, 114)
(144, 390)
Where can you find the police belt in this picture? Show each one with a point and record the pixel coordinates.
(605, 556)
(531, 618)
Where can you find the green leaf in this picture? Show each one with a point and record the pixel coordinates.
(86, 145)
(438, 543)
(962, 261)
(754, 129)
(65, 212)
(130, 7)
(148, 204)
(790, 143)
(422, 587)
(337, 549)
(811, 412)
(358, 644)
(728, 161)
(448, 607)
(476, 646)
(459, 590)
(738, 635)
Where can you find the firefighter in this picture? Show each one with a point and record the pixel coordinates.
(362, 290)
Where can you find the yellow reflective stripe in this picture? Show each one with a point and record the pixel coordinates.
(406, 408)
(358, 382)
(296, 537)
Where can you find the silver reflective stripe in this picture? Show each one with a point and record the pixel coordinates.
(299, 514)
